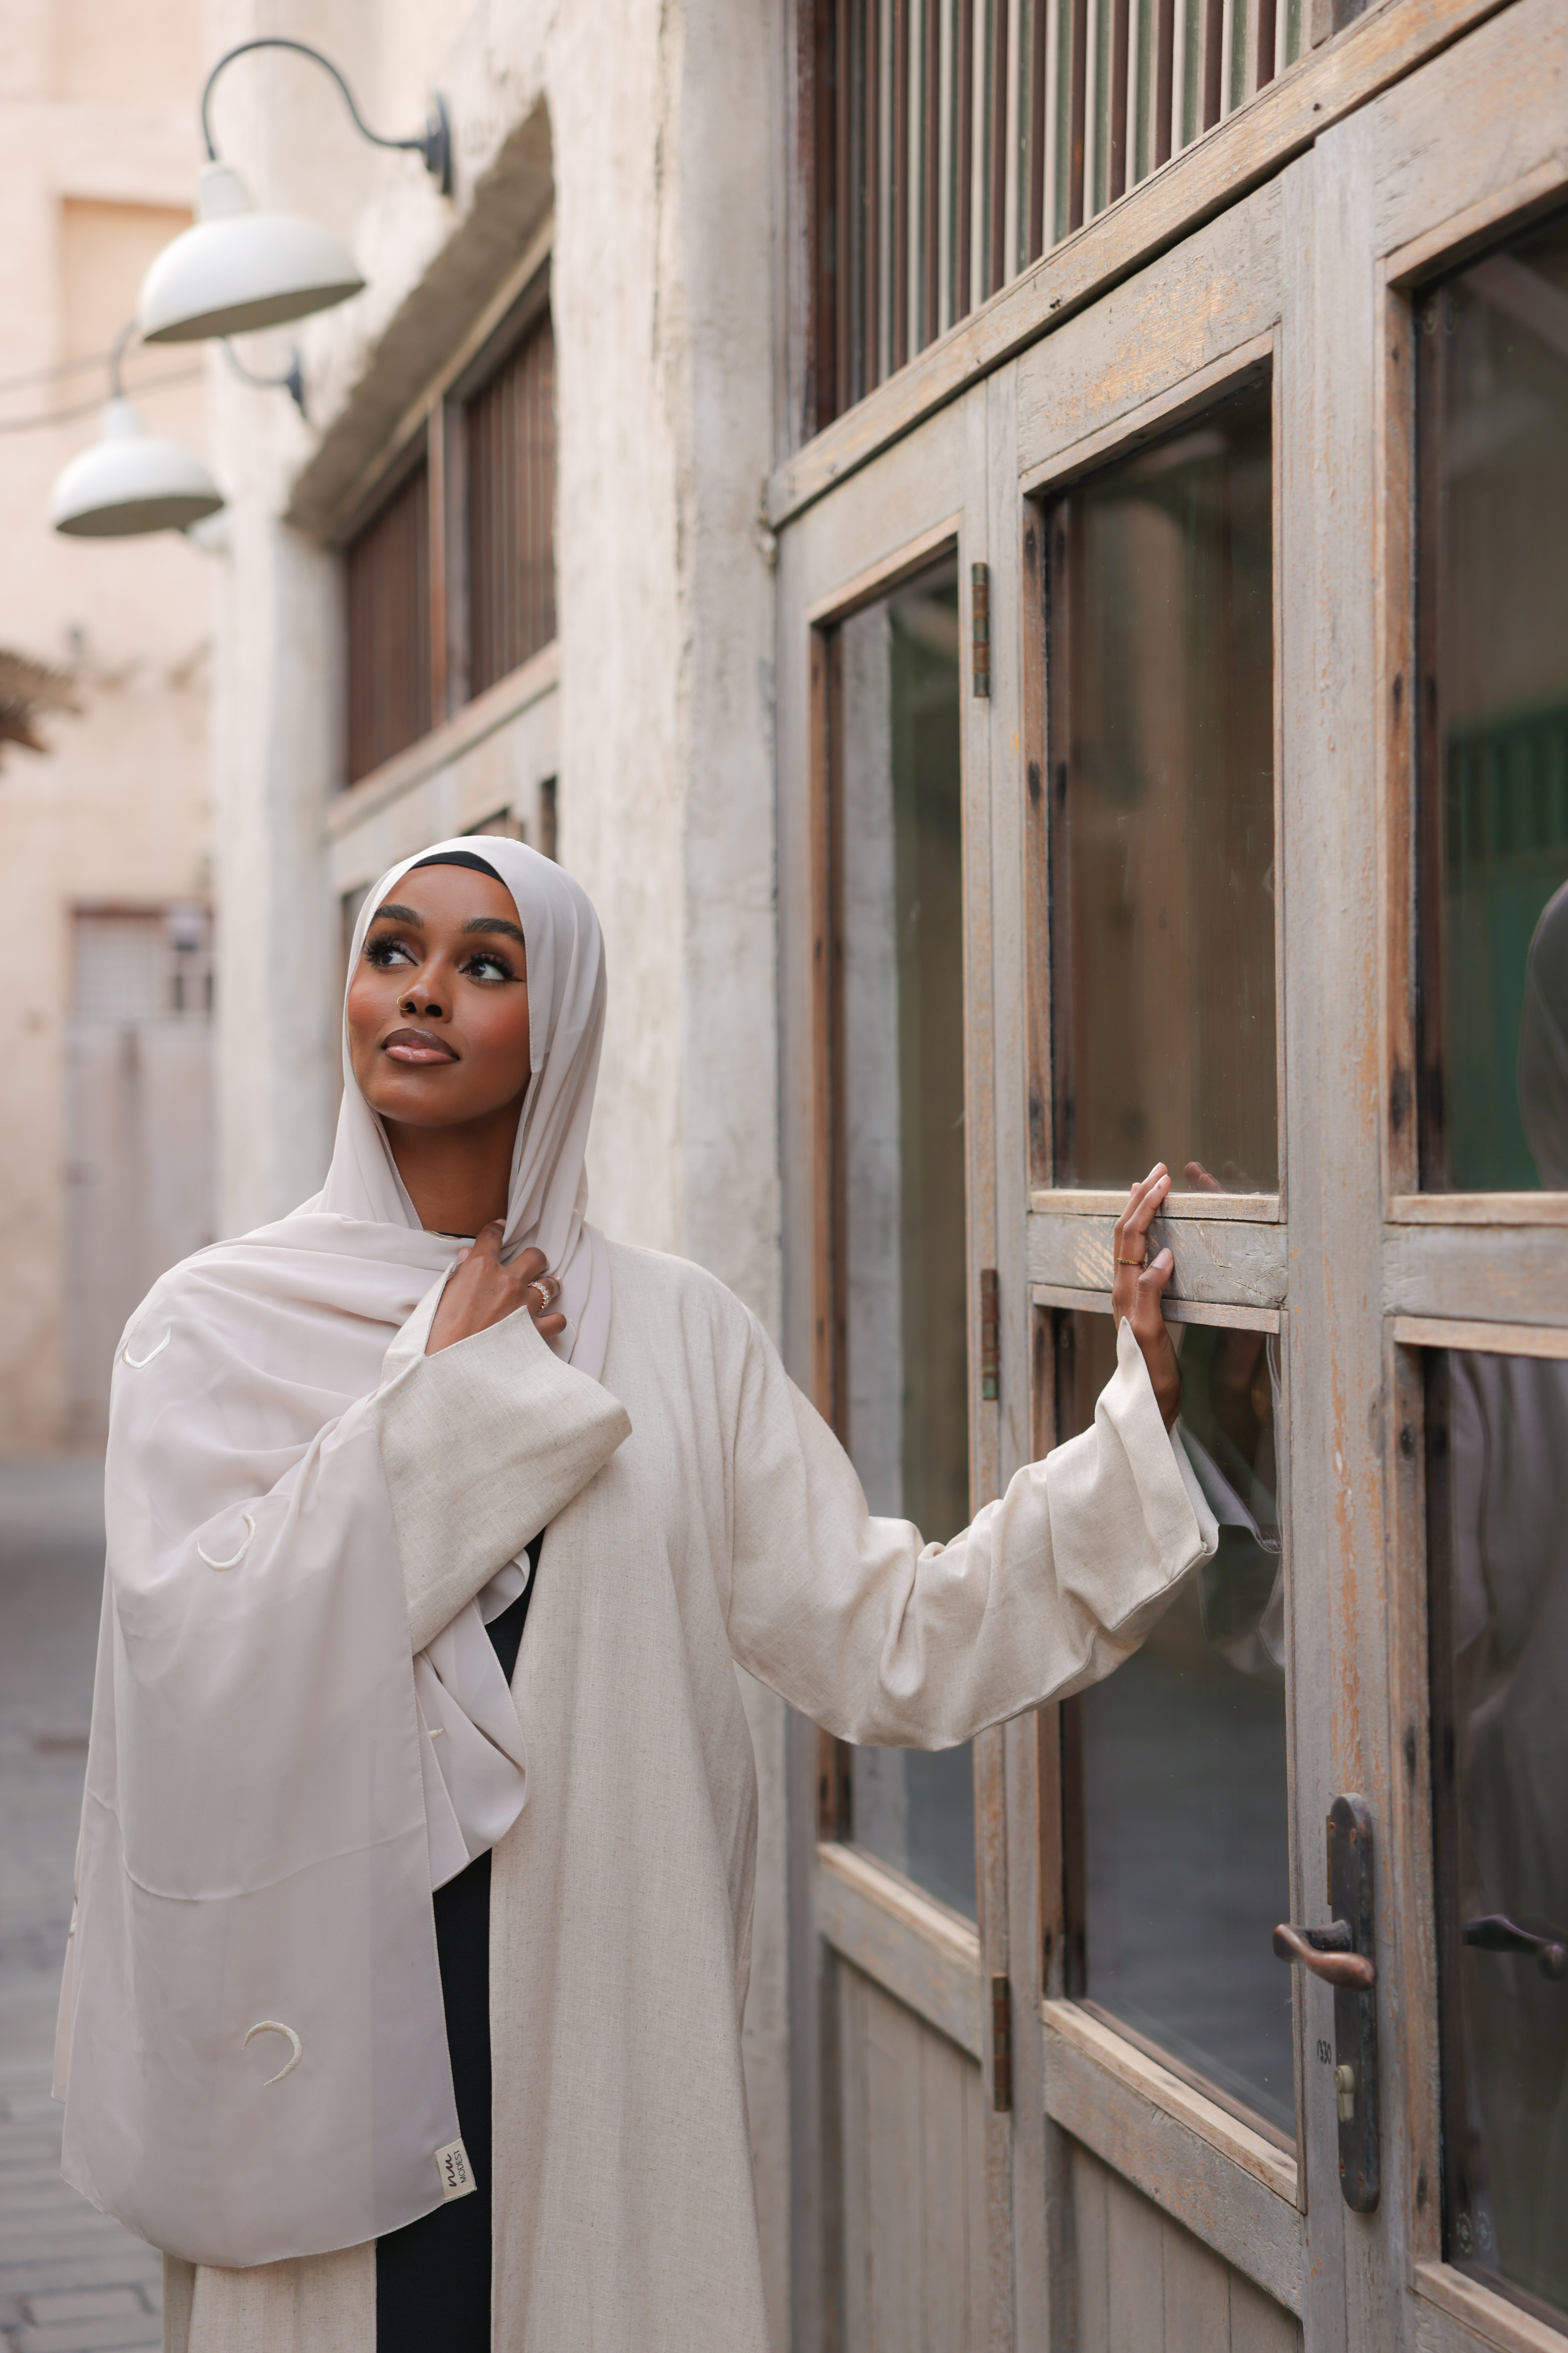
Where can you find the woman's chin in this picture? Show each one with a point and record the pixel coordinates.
(416, 1102)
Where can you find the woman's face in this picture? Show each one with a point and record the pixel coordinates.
(438, 1005)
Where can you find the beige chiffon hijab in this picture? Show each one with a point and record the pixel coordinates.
(273, 1785)
(549, 1189)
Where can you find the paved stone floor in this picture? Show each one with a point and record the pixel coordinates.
(71, 2281)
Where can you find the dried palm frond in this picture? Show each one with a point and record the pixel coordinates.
(27, 688)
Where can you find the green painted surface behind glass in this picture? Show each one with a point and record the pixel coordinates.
(1492, 361)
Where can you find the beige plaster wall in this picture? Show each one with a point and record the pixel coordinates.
(99, 136)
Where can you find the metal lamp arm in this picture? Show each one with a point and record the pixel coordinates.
(116, 354)
(435, 144)
(292, 380)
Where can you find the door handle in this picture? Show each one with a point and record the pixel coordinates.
(1496, 1932)
(1327, 1953)
(1341, 1954)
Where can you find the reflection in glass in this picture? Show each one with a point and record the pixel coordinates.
(1178, 1863)
(1160, 666)
(1497, 1455)
(904, 1384)
(1492, 404)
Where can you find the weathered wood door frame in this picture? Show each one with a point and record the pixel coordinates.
(1201, 321)
(926, 500)
(1434, 169)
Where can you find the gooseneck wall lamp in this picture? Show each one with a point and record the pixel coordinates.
(130, 480)
(238, 269)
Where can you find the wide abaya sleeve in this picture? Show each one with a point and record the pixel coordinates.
(481, 1444)
(254, 1869)
(887, 1640)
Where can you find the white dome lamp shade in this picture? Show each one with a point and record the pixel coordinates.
(238, 270)
(130, 480)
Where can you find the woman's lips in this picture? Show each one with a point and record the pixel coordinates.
(417, 1046)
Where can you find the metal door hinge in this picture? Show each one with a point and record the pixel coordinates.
(980, 625)
(990, 1336)
(1001, 2043)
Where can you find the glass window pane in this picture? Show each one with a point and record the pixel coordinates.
(1492, 402)
(903, 1383)
(1162, 763)
(1497, 1444)
(1179, 1855)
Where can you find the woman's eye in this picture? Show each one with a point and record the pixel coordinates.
(384, 952)
(488, 968)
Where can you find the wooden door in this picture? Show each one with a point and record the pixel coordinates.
(1158, 1827)
(1263, 801)
(902, 2203)
(139, 1130)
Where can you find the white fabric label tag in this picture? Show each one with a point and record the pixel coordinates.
(453, 2165)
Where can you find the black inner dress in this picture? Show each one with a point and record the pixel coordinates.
(433, 2277)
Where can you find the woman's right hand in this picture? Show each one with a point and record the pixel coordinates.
(480, 1291)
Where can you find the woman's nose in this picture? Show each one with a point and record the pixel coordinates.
(422, 998)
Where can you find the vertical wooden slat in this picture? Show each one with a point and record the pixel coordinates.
(844, 209)
(1134, 2267)
(819, 151)
(1090, 2191)
(1096, 61)
(1138, 20)
(436, 534)
(963, 232)
(826, 720)
(1266, 20)
(871, 231)
(1014, 181)
(997, 270)
(1116, 158)
(947, 206)
(1165, 78)
(1039, 58)
(1232, 51)
(931, 172)
(900, 187)
(1213, 59)
(1076, 117)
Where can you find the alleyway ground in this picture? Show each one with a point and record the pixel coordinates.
(71, 2281)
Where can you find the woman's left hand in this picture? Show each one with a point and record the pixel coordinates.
(1138, 1285)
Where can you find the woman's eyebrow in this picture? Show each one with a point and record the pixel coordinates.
(495, 923)
(399, 915)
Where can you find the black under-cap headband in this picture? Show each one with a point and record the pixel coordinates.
(459, 858)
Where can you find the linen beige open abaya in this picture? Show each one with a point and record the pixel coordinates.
(300, 1502)
(727, 1525)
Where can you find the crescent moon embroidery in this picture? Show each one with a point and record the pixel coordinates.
(137, 1362)
(274, 2026)
(233, 1562)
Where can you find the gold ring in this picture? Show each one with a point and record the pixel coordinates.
(1134, 1261)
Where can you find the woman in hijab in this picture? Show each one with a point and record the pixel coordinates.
(344, 1451)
